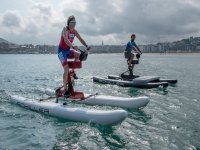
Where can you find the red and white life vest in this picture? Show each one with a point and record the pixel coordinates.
(70, 36)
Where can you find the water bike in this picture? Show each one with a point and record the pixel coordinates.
(128, 79)
(63, 111)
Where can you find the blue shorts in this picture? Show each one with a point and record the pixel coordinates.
(63, 55)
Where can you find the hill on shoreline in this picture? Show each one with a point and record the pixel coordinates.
(3, 41)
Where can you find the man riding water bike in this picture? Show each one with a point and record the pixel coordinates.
(67, 50)
(131, 47)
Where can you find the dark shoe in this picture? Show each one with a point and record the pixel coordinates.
(67, 94)
(58, 92)
(64, 103)
(75, 76)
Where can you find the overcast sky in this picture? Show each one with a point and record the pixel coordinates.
(113, 21)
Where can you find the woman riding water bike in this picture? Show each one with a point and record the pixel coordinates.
(67, 50)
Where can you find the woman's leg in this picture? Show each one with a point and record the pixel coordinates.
(65, 76)
(65, 81)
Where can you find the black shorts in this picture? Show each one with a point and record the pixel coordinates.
(127, 55)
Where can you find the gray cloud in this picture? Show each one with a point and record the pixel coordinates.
(31, 29)
(152, 18)
(11, 19)
(43, 11)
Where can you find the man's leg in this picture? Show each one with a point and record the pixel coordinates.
(132, 65)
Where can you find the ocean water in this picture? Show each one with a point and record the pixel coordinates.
(169, 122)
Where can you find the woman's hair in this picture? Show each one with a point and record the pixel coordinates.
(70, 19)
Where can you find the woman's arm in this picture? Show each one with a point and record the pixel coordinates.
(80, 39)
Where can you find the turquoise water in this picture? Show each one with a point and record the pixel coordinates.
(170, 121)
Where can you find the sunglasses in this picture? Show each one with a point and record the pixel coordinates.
(72, 23)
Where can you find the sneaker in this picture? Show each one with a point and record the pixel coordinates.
(75, 76)
(67, 94)
(64, 103)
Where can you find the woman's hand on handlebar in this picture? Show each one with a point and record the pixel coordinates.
(88, 47)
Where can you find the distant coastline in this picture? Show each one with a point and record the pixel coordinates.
(190, 45)
(95, 50)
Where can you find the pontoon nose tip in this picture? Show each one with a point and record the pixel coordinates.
(165, 84)
(125, 113)
(146, 100)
